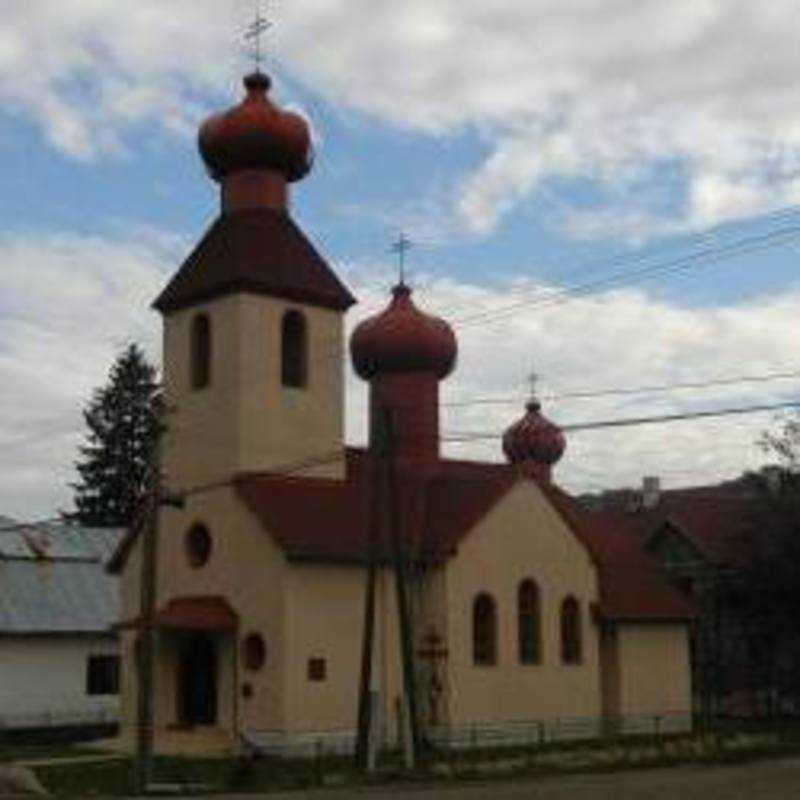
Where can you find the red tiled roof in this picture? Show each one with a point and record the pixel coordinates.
(255, 250)
(314, 518)
(328, 520)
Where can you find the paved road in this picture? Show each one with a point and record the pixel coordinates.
(764, 780)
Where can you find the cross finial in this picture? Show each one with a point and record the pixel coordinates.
(254, 32)
(533, 379)
(401, 247)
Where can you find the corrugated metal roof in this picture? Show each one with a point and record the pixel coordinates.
(53, 580)
(12, 543)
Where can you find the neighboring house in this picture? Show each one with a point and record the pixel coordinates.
(529, 612)
(59, 659)
(704, 537)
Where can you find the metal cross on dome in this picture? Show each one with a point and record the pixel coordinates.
(533, 379)
(401, 247)
(254, 32)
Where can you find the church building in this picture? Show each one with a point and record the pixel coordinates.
(521, 608)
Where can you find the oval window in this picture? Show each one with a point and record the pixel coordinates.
(198, 545)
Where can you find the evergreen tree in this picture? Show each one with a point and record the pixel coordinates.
(123, 421)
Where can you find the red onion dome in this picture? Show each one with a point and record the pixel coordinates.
(534, 438)
(403, 339)
(256, 134)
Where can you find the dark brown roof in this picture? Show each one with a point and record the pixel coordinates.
(261, 251)
(632, 585)
(717, 520)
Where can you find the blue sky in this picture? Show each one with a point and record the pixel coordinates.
(524, 146)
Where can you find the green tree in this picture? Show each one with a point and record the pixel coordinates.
(123, 422)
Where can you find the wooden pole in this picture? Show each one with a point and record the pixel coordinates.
(365, 711)
(401, 583)
(147, 600)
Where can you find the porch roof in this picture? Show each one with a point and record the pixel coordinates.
(203, 613)
(209, 613)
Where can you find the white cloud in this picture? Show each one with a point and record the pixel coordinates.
(620, 338)
(581, 88)
(69, 303)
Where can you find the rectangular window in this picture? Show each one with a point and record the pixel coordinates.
(102, 675)
(317, 669)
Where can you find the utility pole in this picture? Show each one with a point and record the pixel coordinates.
(154, 498)
(400, 560)
(365, 709)
(147, 600)
(384, 520)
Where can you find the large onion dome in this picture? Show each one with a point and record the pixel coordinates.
(403, 339)
(534, 439)
(256, 134)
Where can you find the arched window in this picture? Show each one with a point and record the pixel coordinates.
(294, 350)
(484, 631)
(570, 631)
(528, 623)
(200, 352)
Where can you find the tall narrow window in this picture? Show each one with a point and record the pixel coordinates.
(528, 623)
(294, 347)
(484, 631)
(198, 545)
(570, 631)
(201, 352)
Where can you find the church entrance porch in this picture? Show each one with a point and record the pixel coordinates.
(197, 670)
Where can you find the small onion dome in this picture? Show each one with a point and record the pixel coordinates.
(403, 339)
(534, 438)
(256, 134)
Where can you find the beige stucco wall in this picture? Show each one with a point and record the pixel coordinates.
(246, 419)
(654, 673)
(278, 424)
(322, 621)
(324, 618)
(246, 568)
(308, 611)
(521, 537)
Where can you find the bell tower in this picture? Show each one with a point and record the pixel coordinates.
(253, 319)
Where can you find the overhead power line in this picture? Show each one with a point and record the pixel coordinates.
(286, 469)
(713, 235)
(613, 392)
(541, 298)
(743, 246)
(622, 423)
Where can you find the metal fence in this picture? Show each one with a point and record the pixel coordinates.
(270, 760)
(477, 735)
